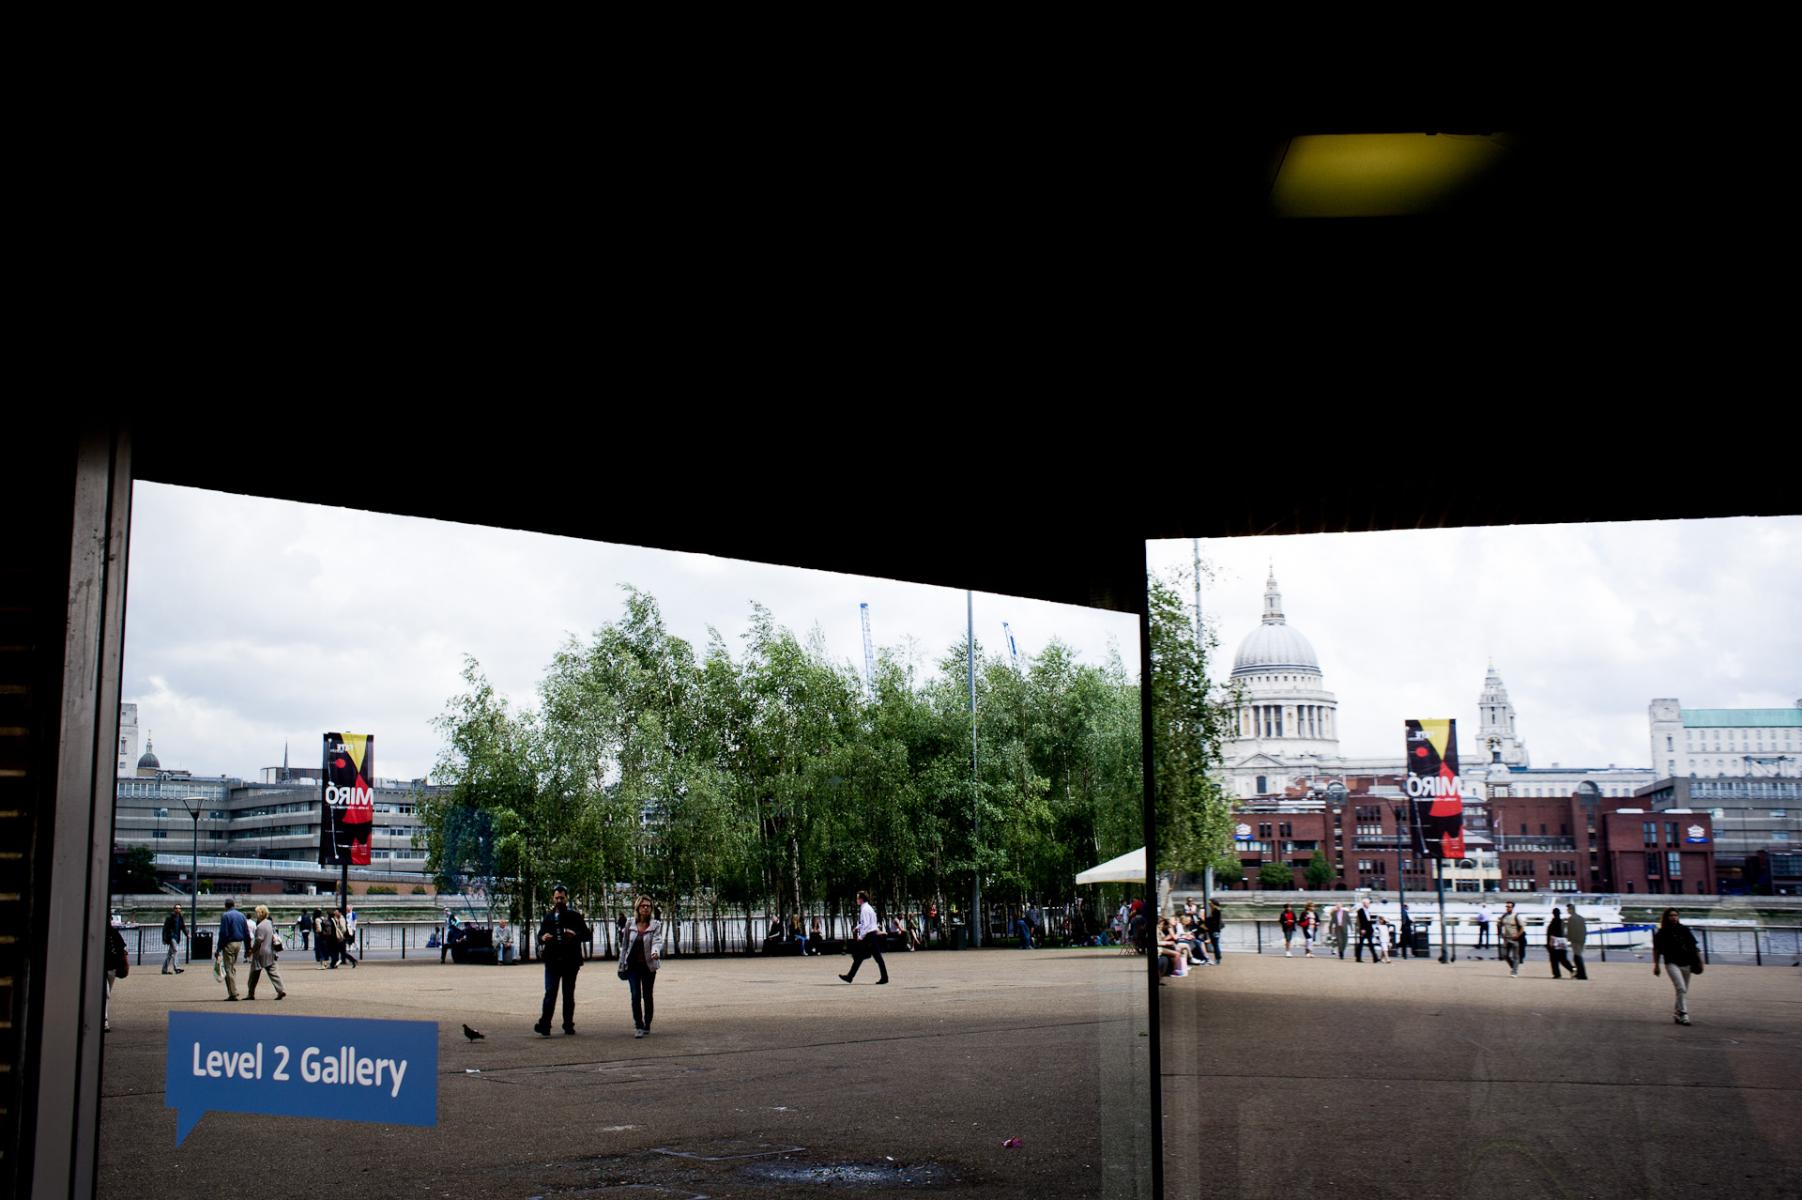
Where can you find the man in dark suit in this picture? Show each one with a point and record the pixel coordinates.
(1366, 933)
(560, 938)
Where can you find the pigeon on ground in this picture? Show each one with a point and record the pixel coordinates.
(474, 1035)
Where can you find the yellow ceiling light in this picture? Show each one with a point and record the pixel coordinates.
(1380, 174)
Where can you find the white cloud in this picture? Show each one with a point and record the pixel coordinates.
(250, 622)
(1586, 623)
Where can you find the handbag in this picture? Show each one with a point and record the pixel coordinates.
(276, 944)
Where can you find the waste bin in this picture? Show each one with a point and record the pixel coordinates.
(957, 937)
(1422, 946)
(203, 944)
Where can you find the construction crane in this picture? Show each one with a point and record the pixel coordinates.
(1012, 650)
(869, 653)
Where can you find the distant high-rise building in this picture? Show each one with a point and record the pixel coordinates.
(1710, 743)
(128, 739)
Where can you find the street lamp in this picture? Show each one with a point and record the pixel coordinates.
(193, 805)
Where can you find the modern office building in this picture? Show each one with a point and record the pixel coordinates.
(1751, 815)
(1726, 743)
(260, 823)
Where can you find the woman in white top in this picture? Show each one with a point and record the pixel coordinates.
(639, 957)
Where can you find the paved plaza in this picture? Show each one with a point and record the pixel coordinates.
(1317, 1077)
(762, 1077)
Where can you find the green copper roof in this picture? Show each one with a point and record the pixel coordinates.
(1742, 718)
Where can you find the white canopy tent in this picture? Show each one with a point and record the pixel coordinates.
(1128, 868)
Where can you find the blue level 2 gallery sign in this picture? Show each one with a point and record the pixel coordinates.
(347, 1069)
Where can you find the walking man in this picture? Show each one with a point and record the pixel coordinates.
(234, 936)
(173, 932)
(560, 938)
(1482, 925)
(869, 941)
(1366, 933)
(1513, 934)
(305, 927)
(1339, 926)
(1407, 931)
(1576, 929)
(1215, 923)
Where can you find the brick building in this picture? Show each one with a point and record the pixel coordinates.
(1582, 842)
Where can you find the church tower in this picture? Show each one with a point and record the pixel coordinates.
(1495, 723)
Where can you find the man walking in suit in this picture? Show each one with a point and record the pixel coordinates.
(869, 940)
(1366, 933)
(1339, 927)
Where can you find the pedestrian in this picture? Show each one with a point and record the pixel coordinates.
(265, 945)
(1482, 925)
(1339, 927)
(1513, 934)
(305, 928)
(1288, 921)
(1023, 926)
(234, 937)
(1675, 946)
(560, 938)
(1215, 923)
(1407, 931)
(869, 941)
(323, 940)
(1380, 930)
(350, 934)
(641, 952)
(453, 932)
(1576, 929)
(932, 920)
(1366, 932)
(1557, 946)
(1310, 925)
(174, 929)
(341, 938)
(815, 935)
(117, 965)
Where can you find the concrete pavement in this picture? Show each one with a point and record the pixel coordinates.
(1296, 1077)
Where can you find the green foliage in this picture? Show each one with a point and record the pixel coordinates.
(419, 889)
(137, 875)
(1189, 725)
(1320, 871)
(381, 889)
(771, 776)
(1276, 876)
(1228, 870)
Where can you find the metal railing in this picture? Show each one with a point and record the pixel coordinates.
(1775, 945)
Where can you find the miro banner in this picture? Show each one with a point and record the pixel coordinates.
(348, 815)
(1435, 789)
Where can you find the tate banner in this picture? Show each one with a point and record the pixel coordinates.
(348, 815)
(1435, 789)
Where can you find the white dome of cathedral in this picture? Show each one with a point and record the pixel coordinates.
(1275, 644)
(1270, 646)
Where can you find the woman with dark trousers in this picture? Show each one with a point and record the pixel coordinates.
(1557, 947)
(639, 957)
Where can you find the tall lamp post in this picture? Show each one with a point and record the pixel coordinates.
(193, 805)
(1401, 864)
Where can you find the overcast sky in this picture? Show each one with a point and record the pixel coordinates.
(250, 622)
(1585, 623)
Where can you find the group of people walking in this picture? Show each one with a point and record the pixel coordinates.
(333, 933)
